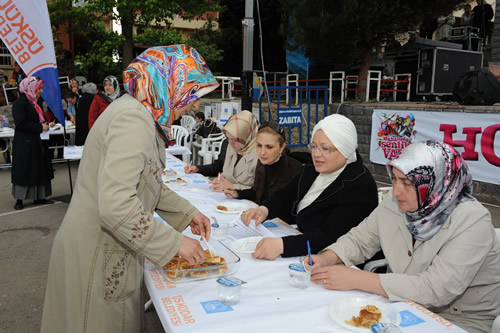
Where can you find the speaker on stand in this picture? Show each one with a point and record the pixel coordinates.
(479, 87)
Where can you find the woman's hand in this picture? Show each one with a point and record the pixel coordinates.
(52, 123)
(230, 193)
(258, 214)
(220, 185)
(268, 248)
(192, 251)
(336, 277)
(45, 127)
(191, 169)
(200, 225)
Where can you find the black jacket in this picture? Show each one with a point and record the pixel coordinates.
(278, 175)
(31, 164)
(341, 206)
(82, 118)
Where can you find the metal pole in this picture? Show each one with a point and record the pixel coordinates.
(247, 75)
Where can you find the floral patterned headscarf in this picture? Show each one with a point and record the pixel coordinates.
(441, 179)
(166, 78)
(243, 126)
(29, 86)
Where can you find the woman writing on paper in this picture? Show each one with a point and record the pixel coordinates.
(238, 164)
(274, 169)
(326, 199)
(96, 266)
(439, 242)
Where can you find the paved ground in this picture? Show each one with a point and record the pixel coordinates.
(26, 238)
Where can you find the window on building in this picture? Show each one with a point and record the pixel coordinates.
(5, 57)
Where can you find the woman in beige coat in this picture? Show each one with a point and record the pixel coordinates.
(95, 275)
(438, 240)
(238, 171)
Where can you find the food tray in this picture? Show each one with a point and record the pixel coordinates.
(232, 261)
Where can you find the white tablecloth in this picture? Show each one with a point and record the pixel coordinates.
(268, 303)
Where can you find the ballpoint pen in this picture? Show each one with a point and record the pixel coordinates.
(218, 177)
(309, 253)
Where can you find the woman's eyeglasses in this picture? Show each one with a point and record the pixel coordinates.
(323, 150)
(274, 126)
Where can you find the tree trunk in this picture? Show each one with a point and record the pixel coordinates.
(366, 63)
(127, 22)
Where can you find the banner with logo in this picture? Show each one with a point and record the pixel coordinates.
(476, 136)
(25, 30)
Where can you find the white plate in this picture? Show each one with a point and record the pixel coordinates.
(233, 207)
(245, 245)
(176, 182)
(345, 308)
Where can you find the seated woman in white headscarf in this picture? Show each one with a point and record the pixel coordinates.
(325, 200)
(438, 240)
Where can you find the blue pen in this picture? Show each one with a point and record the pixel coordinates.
(309, 253)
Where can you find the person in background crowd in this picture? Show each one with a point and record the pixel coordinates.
(74, 86)
(240, 157)
(103, 99)
(483, 13)
(274, 169)
(443, 30)
(96, 267)
(467, 16)
(4, 122)
(72, 101)
(17, 75)
(199, 118)
(325, 200)
(31, 165)
(82, 113)
(438, 240)
(205, 127)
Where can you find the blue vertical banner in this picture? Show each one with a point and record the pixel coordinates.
(26, 31)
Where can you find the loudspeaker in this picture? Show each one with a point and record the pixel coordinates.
(478, 87)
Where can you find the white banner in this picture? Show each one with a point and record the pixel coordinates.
(25, 30)
(473, 135)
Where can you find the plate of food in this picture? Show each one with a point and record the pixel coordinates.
(231, 207)
(245, 245)
(176, 181)
(358, 314)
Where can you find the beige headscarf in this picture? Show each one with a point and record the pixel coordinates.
(244, 127)
(341, 131)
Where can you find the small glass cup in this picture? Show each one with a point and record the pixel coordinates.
(219, 231)
(299, 276)
(229, 289)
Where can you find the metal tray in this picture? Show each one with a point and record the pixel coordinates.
(232, 261)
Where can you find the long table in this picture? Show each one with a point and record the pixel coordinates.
(268, 303)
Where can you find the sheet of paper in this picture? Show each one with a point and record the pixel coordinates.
(240, 230)
(45, 135)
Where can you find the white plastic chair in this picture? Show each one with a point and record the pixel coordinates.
(188, 122)
(210, 147)
(496, 324)
(181, 137)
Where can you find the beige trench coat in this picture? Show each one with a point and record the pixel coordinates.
(95, 275)
(241, 174)
(456, 273)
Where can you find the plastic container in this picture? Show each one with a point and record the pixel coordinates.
(229, 289)
(230, 266)
(299, 276)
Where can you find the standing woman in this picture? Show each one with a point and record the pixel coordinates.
(82, 113)
(31, 165)
(95, 279)
(274, 169)
(103, 99)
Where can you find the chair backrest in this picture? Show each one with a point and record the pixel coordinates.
(209, 144)
(179, 134)
(188, 122)
(497, 230)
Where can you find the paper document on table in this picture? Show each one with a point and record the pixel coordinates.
(240, 230)
(45, 135)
